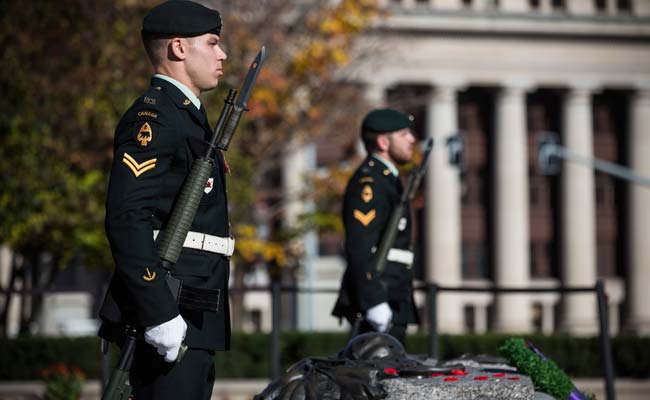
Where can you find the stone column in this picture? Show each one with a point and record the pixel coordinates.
(639, 214)
(408, 3)
(447, 4)
(298, 163)
(581, 7)
(443, 250)
(480, 315)
(578, 215)
(545, 6)
(641, 8)
(548, 316)
(512, 248)
(514, 6)
(612, 7)
(375, 94)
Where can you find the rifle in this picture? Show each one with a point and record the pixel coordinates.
(390, 232)
(180, 220)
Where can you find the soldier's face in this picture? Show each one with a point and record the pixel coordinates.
(400, 147)
(204, 61)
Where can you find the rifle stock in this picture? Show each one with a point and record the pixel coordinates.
(118, 387)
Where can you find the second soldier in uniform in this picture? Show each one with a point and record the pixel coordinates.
(378, 302)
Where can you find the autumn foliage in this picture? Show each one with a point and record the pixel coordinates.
(72, 67)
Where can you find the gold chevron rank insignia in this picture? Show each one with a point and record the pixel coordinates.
(149, 276)
(135, 167)
(365, 218)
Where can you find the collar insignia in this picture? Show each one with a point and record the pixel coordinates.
(145, 134)
(186, 102)
(387, 172)
(135, 167)
(365, 218)
(366, 194)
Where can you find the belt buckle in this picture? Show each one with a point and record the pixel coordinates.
(203, 237)
(231, 245)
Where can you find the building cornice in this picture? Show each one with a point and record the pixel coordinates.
(492, 23)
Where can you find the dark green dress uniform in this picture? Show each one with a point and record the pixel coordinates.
(370, 196)
(155, 143)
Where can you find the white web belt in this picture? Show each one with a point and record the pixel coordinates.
(202, 241)
(400, 256)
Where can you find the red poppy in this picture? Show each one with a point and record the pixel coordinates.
(481, 378)
(451, 378)
(390, 371)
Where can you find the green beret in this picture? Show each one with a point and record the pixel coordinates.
(386, 120)
(183, 18)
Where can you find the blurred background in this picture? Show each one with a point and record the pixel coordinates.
(491, 81)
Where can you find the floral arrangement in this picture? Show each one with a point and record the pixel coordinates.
(62, 382)
(544, 373)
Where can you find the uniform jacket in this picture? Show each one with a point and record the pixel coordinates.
(155, 143)
(370, 196)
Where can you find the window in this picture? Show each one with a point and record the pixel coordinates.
(538, 316)
(624, 6)
(558, 4)
(470, 318)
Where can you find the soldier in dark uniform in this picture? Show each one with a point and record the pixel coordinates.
(155, 143)
(375, 302)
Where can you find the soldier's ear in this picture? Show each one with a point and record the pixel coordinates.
(383, 143)
(177, 49)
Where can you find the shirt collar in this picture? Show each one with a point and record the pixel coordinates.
(186, 91)
(391, 167)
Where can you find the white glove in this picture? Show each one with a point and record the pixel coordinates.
(167, 337)
(379, 316)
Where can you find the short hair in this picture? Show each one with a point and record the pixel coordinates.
(156, 46)
(369, 139)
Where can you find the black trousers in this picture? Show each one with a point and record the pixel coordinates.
(153, 378)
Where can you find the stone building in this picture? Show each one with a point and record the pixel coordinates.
(503, 73)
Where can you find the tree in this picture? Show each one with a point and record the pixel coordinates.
(72, 67)
(66, 67)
